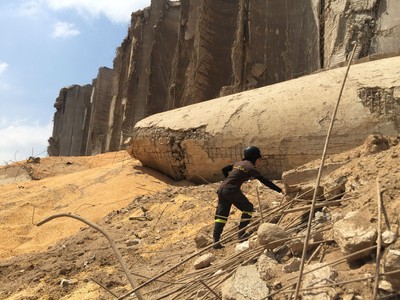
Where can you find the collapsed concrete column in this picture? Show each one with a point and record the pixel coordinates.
(288, 121)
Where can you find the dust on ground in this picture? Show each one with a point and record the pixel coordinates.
(88, 186)
(154, 221)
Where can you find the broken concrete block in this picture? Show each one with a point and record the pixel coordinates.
(245, 284)
(67, 282)
(353, 233)
(204, 261)
(270, 235)
(306, 174)
(391, 262)
(267, 266)
(388, 237)
(242, 246)
(322, 276)
(386, 286)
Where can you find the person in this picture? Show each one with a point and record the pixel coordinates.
(229, 193)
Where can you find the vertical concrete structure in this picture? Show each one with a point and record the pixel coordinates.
(71, 121)
(178, 53)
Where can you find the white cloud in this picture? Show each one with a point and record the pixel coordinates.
(118, 11)
(20, 140)
(3, 66)
(64, 29)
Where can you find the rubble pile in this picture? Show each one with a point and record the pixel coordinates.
(165, 238)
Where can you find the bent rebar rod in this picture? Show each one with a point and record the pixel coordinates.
(113, 246)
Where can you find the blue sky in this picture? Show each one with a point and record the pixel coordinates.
(47, 45)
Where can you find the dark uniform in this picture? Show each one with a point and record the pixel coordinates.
(229, 193)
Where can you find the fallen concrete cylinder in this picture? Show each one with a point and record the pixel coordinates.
(288, 121)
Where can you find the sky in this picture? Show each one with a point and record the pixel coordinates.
(46, 45)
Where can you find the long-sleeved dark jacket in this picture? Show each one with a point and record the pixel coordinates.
(239, 172)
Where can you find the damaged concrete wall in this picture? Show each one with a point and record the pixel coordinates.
(282, 41)
(288, 121)
(170, 59)
(83, 118)
(387, 36)
(374, 23)
(143, 67)
(71, 121)
(178, 53)
(99, 119)
(207, 36)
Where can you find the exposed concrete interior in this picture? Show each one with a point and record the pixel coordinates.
(288, 121)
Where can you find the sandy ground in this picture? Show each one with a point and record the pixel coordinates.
(90, 187)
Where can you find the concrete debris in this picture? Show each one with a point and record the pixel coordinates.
(242, 246)
(322, 276)
(388, 237)
(66, 282)
(245, 284)
(266, 266)
(270, 235)
(386, 286)
(353, 233)
(292, 266)
(391, 262)
(204, 261)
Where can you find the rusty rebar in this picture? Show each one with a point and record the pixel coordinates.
(210, 289)
(111, 241)
(378, 241)
(312, 210)
(332, 263)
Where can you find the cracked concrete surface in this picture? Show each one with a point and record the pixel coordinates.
(288, 121)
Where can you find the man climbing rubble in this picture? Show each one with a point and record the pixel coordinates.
(230, 193)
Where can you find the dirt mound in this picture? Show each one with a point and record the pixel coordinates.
(154, 222)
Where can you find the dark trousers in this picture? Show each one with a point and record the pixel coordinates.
(227, 198)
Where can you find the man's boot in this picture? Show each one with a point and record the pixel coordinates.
(218, 228)
(243, 235)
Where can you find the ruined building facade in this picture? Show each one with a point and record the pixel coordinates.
(178, 53)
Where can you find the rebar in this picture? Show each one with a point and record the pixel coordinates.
(131, 280)
(378, 241)
(296, 296)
